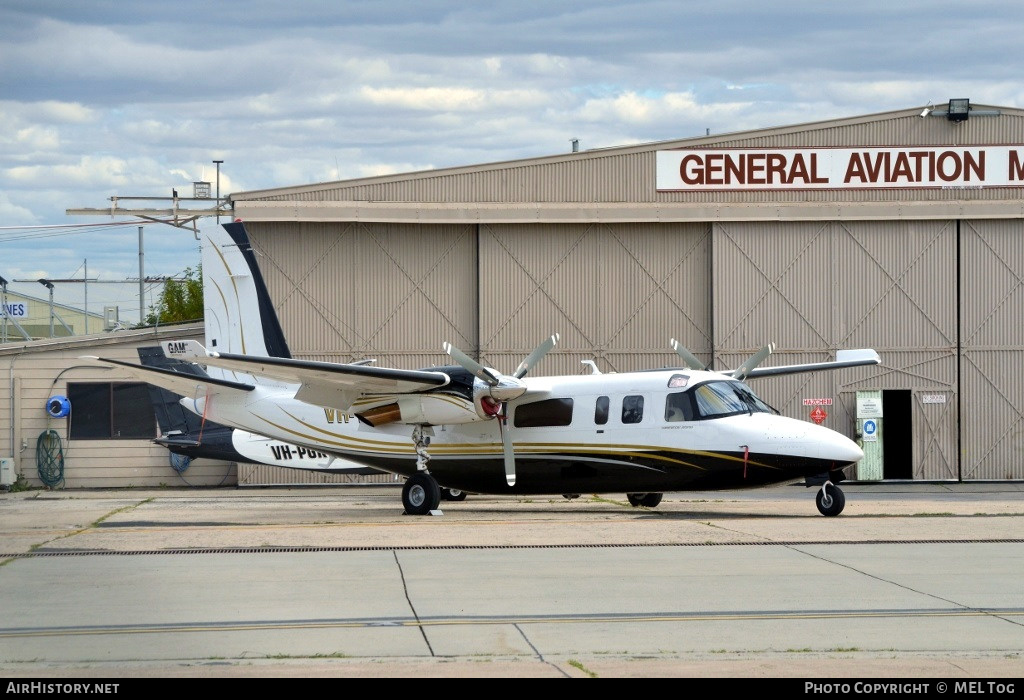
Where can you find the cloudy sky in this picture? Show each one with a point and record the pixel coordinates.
(102, 98)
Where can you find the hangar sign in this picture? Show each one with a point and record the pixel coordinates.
(957, 167)
(16, 310)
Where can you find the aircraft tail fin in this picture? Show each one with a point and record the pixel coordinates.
(239, 316)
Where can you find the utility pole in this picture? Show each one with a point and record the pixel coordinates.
(218, 162)
(142, 277)
(85, 286)
(3, 299)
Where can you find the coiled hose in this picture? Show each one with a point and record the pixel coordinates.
(50, 459)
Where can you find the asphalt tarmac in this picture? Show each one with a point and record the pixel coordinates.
(913, 580)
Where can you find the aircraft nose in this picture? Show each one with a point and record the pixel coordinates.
(843, 449)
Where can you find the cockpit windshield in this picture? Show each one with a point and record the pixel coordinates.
(715, 399)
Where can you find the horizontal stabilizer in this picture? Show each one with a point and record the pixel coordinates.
(178, 382)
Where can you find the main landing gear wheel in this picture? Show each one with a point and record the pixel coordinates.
(830, 499)
(649, 500)
(421, 494)
(452, 494)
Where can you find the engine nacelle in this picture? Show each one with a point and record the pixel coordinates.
(422, 409)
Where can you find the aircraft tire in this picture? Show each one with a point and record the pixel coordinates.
(421, 494)
(648, 500)
(452, 494)
(831, 502)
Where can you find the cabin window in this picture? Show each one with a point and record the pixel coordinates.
(679, 407)
(677, 381)
(106, 411)
(632, 409)
(718, 399)
(550, 412)
(601, 410)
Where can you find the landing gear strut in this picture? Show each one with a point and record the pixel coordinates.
(421, 494)
(830, 499)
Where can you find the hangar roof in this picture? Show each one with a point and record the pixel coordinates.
(620, 183)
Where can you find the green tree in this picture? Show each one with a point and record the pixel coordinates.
(181, 300)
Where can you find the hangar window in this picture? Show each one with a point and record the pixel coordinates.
(111, 411)
(543, 413)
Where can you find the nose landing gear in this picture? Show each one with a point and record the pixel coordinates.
(830, 499)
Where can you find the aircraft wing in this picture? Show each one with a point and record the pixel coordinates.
(321, 383)
(844, 358)
(178, 382)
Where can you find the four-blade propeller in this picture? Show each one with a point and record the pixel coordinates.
(499, 389)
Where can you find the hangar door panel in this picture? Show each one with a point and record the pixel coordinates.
(394, 292)
(816, 287)
(992, 345)
(616, 293)
(775, 283)
(900, 296)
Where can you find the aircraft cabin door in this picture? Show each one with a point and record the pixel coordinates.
(869, 435)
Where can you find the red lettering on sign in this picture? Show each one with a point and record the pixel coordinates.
(1016, 166)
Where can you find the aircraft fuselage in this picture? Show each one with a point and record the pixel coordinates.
(573, 434)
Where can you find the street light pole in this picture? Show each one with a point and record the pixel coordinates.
(49, 285)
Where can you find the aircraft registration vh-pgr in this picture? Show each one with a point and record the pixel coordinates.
(470, 428)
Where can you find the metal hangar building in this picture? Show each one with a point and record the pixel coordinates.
(901, 231)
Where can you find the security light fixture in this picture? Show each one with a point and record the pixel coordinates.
(959, 110)
(46, 283)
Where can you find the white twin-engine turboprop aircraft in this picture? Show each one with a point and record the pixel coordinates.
(467, 427)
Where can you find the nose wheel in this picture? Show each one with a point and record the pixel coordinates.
(830, 499)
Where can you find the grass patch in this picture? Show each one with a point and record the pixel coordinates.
(577, 665)
(119, 510)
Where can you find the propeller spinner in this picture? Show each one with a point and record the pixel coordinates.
(502, 388)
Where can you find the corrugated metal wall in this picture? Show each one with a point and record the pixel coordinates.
(262, 474)
(616, 294)
(992, 354)
(394, 292)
